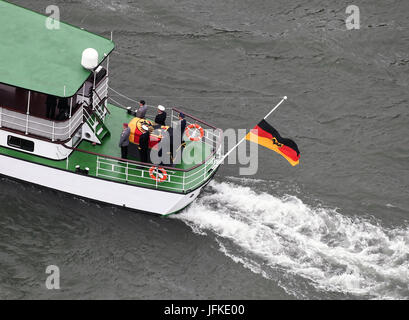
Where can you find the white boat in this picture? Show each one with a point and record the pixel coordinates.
(76, 149)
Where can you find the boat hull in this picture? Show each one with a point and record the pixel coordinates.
(97, 189)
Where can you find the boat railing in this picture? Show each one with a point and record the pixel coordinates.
(156, 177)
(92, 121)
(53, 130)
(212, 135)
(102, 88)
(164, 177)
(96, 98)
(100, 94)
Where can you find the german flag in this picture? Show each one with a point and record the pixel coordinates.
(265, 135)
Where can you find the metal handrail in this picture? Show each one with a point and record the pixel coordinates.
(180, 180)
(215, 151)
(47, 127)
(74, 109)
(100, 90)
(206, 138)
(88, 117)
(141, 174)
(196, 119)
(23, 117)
(143, 170)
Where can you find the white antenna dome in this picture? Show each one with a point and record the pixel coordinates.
(89, 58)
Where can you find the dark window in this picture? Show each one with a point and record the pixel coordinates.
(20, 143)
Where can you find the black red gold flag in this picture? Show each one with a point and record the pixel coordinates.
(264, 134)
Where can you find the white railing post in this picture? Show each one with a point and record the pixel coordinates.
(126, 171)
(28, 111)
(69, 128)
(84, 114)
(97, 165)
(71, 108)
(112, 35)
(93, 90)
(27, 115)
(183, 181)
(47, 128)
(95, 79)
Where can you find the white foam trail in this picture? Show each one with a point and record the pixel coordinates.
(334, 252)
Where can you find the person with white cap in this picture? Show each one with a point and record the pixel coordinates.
(144, 144)
(161, 116)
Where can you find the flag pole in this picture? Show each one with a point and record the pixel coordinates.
(244, 138)
(275, 108)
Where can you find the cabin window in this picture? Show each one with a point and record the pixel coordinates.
(15, 142)
(41, 105)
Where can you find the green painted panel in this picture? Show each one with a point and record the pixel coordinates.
(36, 58)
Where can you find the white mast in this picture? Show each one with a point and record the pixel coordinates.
(231, 150)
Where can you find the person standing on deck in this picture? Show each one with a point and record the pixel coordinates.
(124, 141)
(177, 139)
(144, 144)
(182, 124)
(142, 110)
(161, 116)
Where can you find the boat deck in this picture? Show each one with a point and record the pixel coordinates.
(115, 169)
(104, 160)
(109, 146)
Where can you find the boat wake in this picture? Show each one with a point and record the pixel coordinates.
(285, 240)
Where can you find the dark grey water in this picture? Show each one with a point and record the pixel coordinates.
(334, 227)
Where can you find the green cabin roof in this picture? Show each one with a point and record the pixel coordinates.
(43, 60)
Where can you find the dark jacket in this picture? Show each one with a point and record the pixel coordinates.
(144, 141)
(161, 118)
(182, 127)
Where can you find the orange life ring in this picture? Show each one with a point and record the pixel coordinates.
(194, 126)
(157, 178)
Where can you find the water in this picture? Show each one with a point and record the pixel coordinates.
(283, 238)
(335, 227)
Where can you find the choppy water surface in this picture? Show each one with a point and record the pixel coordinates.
(335, 227)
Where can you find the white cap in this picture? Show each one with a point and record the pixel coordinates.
(161, 108)
(145, 127)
